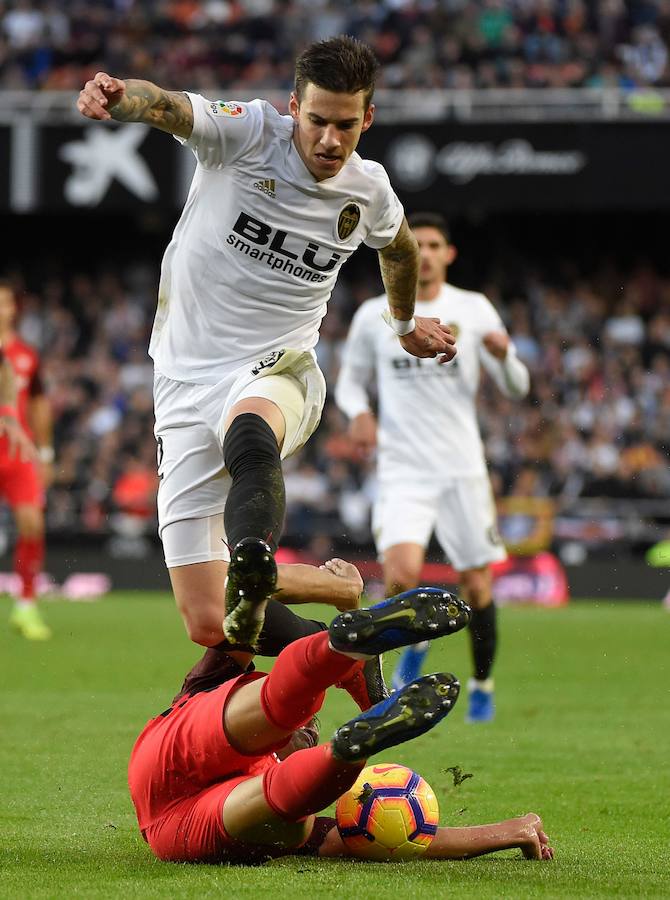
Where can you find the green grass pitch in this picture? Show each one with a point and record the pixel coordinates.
(581, 736)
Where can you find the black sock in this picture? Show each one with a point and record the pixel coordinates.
(256, 503)
(282, 627)
(484, 637)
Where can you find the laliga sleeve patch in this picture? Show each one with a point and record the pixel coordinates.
(226, 108)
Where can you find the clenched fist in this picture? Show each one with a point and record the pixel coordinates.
(100, 95)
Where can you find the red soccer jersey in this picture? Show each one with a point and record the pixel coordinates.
(26, 365)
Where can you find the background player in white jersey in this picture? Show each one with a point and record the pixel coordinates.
(277, 204)
(430, 459)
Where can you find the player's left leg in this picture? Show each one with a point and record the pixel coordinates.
(261, 714)
(466, 530)
(28, 561)
(476, 590)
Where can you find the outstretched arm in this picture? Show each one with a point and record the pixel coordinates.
(336, 583)
(399, 265)
(524, 832)
(106, 97)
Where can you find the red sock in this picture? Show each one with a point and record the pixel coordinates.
(294, 690)
(307, 782)
(28, 559)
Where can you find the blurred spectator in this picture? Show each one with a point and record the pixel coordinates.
(596, 424)
(250, 45)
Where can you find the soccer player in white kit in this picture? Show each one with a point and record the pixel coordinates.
(276, 206)
(431, 468)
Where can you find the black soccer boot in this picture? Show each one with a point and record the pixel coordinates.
(407, 713)
(418, 615)
(252, 580)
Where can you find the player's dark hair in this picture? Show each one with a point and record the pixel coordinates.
(430, 220)
(343, 65)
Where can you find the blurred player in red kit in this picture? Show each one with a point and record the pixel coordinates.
(23, 479)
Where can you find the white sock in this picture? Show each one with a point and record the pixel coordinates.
(25, 602)
(487, 685)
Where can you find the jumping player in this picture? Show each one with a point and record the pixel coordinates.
(276, 206)
(22, 479)
(430, 459)
(205, 777)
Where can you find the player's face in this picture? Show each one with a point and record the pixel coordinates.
(328, 128)
(7, 308)
(435, 254)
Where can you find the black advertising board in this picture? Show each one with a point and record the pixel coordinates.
(463, 167)
(528, 166)
(103, 167)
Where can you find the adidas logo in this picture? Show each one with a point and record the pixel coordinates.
(266, 185)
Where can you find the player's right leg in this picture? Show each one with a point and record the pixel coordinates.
(191, 498)
(260, 417)
(254, 513)
(192, 495)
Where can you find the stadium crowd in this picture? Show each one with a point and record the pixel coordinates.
(597, 421)
(249, 45)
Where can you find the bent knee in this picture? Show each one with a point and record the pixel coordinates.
(203, 622)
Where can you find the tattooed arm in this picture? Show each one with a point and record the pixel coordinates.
(399, 265)
(106, 98)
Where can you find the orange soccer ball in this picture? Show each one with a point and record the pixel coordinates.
(390, 813)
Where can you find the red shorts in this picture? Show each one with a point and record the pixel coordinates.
(181, 771)
(20, 482)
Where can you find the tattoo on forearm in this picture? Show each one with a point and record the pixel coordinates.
(146, 102)
(399, 265)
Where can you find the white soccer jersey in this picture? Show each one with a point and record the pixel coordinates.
(257, 250)
(427, 416)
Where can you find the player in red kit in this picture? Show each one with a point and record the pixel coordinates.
(22, 480)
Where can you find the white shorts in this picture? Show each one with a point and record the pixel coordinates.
(193, 481)
(460, 511)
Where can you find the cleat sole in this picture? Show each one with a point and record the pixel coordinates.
(252, 579)
(418, 615)
(408, 713)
